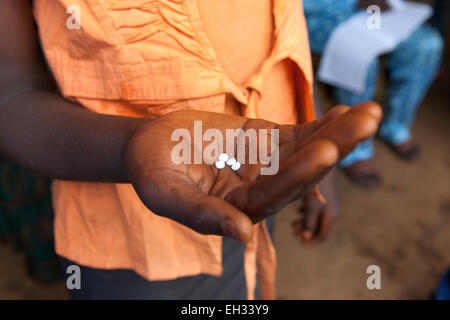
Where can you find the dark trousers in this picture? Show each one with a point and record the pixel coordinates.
(126, 284)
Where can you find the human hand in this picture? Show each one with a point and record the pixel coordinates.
(316, 218)
(227, 202)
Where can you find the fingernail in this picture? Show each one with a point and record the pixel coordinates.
(231, 230)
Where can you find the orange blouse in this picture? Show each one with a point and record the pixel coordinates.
(145, 58)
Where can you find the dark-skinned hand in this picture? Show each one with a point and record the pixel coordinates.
(317, 215)
(225, 202)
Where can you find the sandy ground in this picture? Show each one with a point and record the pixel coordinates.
(404, 228)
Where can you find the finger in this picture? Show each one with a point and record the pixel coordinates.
(293, 135)
(177, 198)
(327, 220)
(313, 210)
(346, 131)
(369, 107)
(299, 223)
(290, 133)
(269, 194)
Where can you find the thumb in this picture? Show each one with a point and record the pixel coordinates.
(177, 198)
(212, 215)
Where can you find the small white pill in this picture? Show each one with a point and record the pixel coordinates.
(223, 157)
(231, 161)
(236, 166)
(220, 165)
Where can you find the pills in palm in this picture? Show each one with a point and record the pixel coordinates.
(223, 157)
(236, 166)
(224, 160)
(220, 165)
(231, 161)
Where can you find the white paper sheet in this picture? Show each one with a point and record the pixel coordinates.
(353, 46)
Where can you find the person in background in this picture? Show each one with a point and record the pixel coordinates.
(412, 67)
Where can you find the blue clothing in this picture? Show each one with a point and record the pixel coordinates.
(443, 291)
(412, 67)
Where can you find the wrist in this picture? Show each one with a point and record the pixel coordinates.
(132, 135)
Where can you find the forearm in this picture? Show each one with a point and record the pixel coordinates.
(59, 139)
(40, 129)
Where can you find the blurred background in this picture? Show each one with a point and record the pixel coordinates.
(402, 226)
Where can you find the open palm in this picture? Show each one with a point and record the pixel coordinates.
(227, 202)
